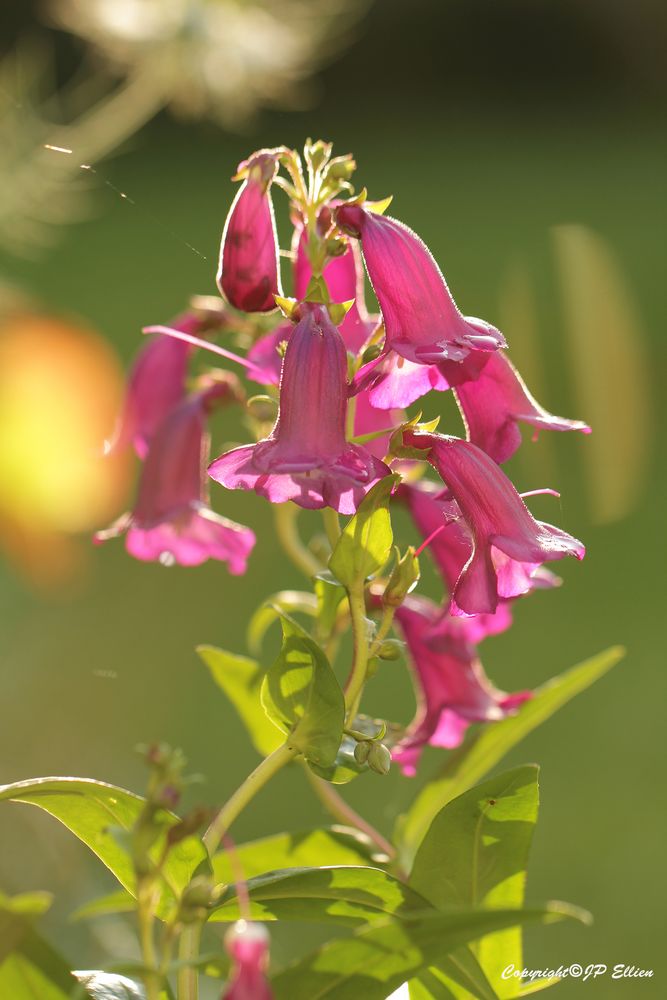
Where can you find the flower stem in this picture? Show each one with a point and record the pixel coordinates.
(188, 977)
(147, 941)
(357, 678)
(288, 536)
(344, 813)
(245, 793)
(383, 631)
(331, 525)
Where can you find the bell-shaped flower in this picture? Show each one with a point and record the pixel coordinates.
(172, 522)
(451, 686)
(508, 545)
(155, 385)
(449, 540)
(249, 268)
(496, 402)
(423, 324)
(307, 458)
(266, 355)
(248, 947)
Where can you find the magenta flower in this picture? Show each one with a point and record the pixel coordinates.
(249, 269)
(452, 688)
(172, 522)
(496, 402)
(155, 385)
(248, 946)
(422, 322)
(508, 545)
(306, 458)
(449, 540)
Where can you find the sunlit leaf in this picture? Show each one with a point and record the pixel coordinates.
(366, 540)
(471, 762)
(339, 894)
(241, 680)
(291, 601)
(301, 695)
(92, 810)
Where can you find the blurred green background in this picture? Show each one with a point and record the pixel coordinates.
(523, 141)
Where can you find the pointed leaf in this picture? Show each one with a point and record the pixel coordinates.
(269, 611)
(476, 852)
(379, 959)
(330, 592)
(301, 695)
(241, 680)
(90, 808)
(103, 906)
(489, 746)
(337, 894)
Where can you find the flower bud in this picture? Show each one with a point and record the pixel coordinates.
(390, 649)
(196, 898)
(379, 758)
(362, 751)
(404, 578)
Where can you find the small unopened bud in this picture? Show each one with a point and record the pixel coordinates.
(379, 758)
(390, 649)
(404, 578)
(361, 751)
(196, 898)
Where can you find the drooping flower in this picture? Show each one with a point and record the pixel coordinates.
(306, 458)
(452, 688)
(155, 385)
(172, 522)
(449, 540)
(508, 544)
(248, 945)
(422, 322)
(249, 270)
(496, 402)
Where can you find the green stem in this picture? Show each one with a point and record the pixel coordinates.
(288, 536)
(147, 942)
(188, 976)
(331, 525)
(357, 678)
(245, 793)
(345, 814)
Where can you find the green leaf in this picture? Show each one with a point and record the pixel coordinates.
(379, 958)
(103, 906)
(241, 680)
(476, 852)
(90, 808)
(366, 540)
(29, 968)
(330, 592)
(269, 611)
(344, 768)
(338, 894)
(301, 695)
(477, 756)
(459, 976)
(335, 845)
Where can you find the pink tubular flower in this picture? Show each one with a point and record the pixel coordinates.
(449, 540)
(508, 545)
(155, 385)
(248, 946)
(422, 322)
(266, 357)
(171, 522)
(306, 457)
(452, 688)
(496, 402)
(249, 271)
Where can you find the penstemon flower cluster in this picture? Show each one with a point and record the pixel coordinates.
(325, 387)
